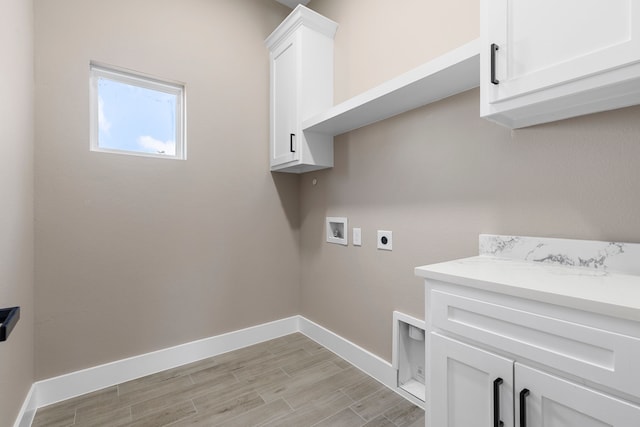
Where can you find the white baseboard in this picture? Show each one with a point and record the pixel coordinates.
(92, 379)
(363, 359)
(49, 391)
(28, 410)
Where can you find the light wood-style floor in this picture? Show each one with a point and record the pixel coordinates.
(289, 381)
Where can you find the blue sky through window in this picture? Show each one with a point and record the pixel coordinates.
(134, 118)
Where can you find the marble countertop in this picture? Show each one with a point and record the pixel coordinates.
(595, 290)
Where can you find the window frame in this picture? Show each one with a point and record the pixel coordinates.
(120, 75)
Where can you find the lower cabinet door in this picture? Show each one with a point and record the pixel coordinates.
(544, 400)
(469, 386)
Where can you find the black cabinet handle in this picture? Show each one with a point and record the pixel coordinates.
(523, 407)
(8, 319)
(496, 403)
(494, 49)
(291, 148)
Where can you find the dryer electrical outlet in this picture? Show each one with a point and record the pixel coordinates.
(385, 240)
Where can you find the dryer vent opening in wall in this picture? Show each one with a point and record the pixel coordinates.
(409, 355)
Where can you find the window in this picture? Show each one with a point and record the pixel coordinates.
(135, 114)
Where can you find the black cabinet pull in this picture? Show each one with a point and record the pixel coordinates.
(8, 319)
(494, 49)
(496, 403)
(523, 407)
(291, 148)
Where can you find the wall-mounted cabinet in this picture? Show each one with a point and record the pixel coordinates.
(527, 76)
(584, 59)
(543, 60)
(301, 84)
(303, 117)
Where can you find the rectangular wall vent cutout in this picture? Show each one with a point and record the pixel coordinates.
(409, 354)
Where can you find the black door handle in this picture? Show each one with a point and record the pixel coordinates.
(523, 407)
(496, 403)
(291, 148)
(494, 49)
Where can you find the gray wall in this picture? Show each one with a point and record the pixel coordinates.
(16, 211)
(137, 254)
(438, 176)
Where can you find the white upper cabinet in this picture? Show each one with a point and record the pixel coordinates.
(545, 60)
(301, 85)
(284, 114)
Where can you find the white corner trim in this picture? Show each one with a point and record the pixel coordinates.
(362, 359)
(92, 379)
(28, 410)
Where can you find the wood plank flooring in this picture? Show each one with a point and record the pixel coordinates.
(288, 381)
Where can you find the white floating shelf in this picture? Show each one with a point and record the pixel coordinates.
(449, 74)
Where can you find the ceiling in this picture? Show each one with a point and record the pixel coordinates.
(292, 3)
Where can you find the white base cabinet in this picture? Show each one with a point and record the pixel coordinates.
(545, 60)
(546, 400)
(505, 361)
(477, 387)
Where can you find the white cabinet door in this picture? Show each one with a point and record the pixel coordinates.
(301, 84)
(547, 42)
(464, 381)
(284, 103)
(564, 47)
(549, 401)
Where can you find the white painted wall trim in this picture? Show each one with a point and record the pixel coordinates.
(363, 359)
(92, 379)
(28, 410)
(52, 390)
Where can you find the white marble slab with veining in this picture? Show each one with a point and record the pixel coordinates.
(608, 256)
(599, 277)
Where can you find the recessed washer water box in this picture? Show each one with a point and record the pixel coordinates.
(409, 356)
(337, 230)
